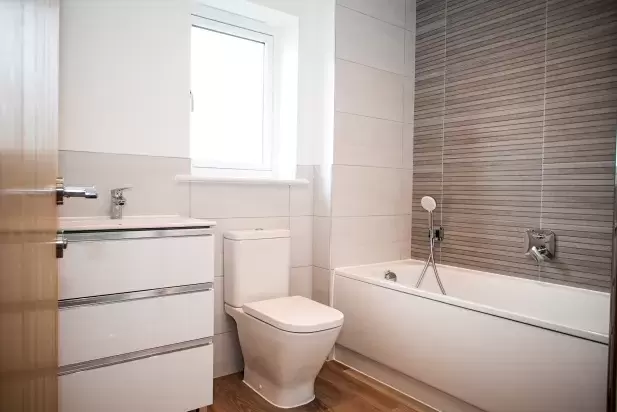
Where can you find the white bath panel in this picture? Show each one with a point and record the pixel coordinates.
(494, 363)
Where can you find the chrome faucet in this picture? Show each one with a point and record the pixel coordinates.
(389, 275)
(118, 201)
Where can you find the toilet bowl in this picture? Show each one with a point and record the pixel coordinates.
(285, 339)
(285, 342)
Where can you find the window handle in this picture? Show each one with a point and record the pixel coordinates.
(192, 101)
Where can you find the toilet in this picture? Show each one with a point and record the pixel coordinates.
(285, 340)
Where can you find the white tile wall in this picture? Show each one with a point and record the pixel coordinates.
(364, 240)
(222, 321)
(367, 191)
(408, 146)
(391, 11)
(410, 19)
(367, 91)
(371, 194)
(407, 191)
(410, 53)
(301, 241)
(409, 91)
(322, 190)
(361, 140)
(321, 285)
(119, 93)
(220, 201)
(301, 196)
(155, 191)
(321, 241)
(227, 354)
(301, 282)
(369, 41)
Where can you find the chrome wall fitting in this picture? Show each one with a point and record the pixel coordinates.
(540, 244)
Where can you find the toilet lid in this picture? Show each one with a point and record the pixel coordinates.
(295, 314)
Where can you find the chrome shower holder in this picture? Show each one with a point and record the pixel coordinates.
(436, 233)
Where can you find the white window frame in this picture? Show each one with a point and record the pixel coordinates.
(226, 23)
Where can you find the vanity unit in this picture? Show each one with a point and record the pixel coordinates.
(136, 315)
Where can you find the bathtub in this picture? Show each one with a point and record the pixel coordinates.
(497, 343)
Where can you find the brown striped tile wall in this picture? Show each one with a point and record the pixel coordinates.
(515, 127)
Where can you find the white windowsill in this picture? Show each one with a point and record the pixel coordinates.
(240, 180)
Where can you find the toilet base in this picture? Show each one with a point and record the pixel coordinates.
(281, 397)
(281, 366)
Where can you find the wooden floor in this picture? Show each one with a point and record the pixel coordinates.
(337, 389)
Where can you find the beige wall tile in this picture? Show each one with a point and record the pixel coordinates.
(410, 18)
(368, 191)
(321, 241)
(410, 53)
(301, 282)
(369, 92)
(227, 354)
(366, 141)
(408, 146)
(369, 41)
(409, 99)
(218, 201)
(321, 285)
(365, 240)
(322, 190)
(301, 241)
(301, 196)
(155, 191)
(222, 321)
(391, 11)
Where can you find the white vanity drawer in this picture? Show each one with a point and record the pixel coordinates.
(116, 265)
(97, 331)
(173, 382)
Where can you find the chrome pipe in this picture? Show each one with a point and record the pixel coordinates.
(431, 261)
(421, 278)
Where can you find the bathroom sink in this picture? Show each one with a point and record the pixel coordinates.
(130, 222)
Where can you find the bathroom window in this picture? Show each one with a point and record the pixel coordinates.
(231, 99)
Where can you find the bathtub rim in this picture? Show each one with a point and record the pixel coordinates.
(472, 306)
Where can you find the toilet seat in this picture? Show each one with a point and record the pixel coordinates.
(295, 314)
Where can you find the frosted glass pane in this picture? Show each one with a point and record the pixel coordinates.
(227, 81)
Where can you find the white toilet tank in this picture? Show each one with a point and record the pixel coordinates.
(256, 265)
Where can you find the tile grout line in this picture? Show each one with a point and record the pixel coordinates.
(371, 117)
(443, 117)
(543, 125)
(373, 67)
(404, 26)
(405, 62)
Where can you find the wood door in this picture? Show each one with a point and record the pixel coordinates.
(28, 223)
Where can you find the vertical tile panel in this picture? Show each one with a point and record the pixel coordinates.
(493, 133)
(526, 131)
(428, 117)
(579, 142)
